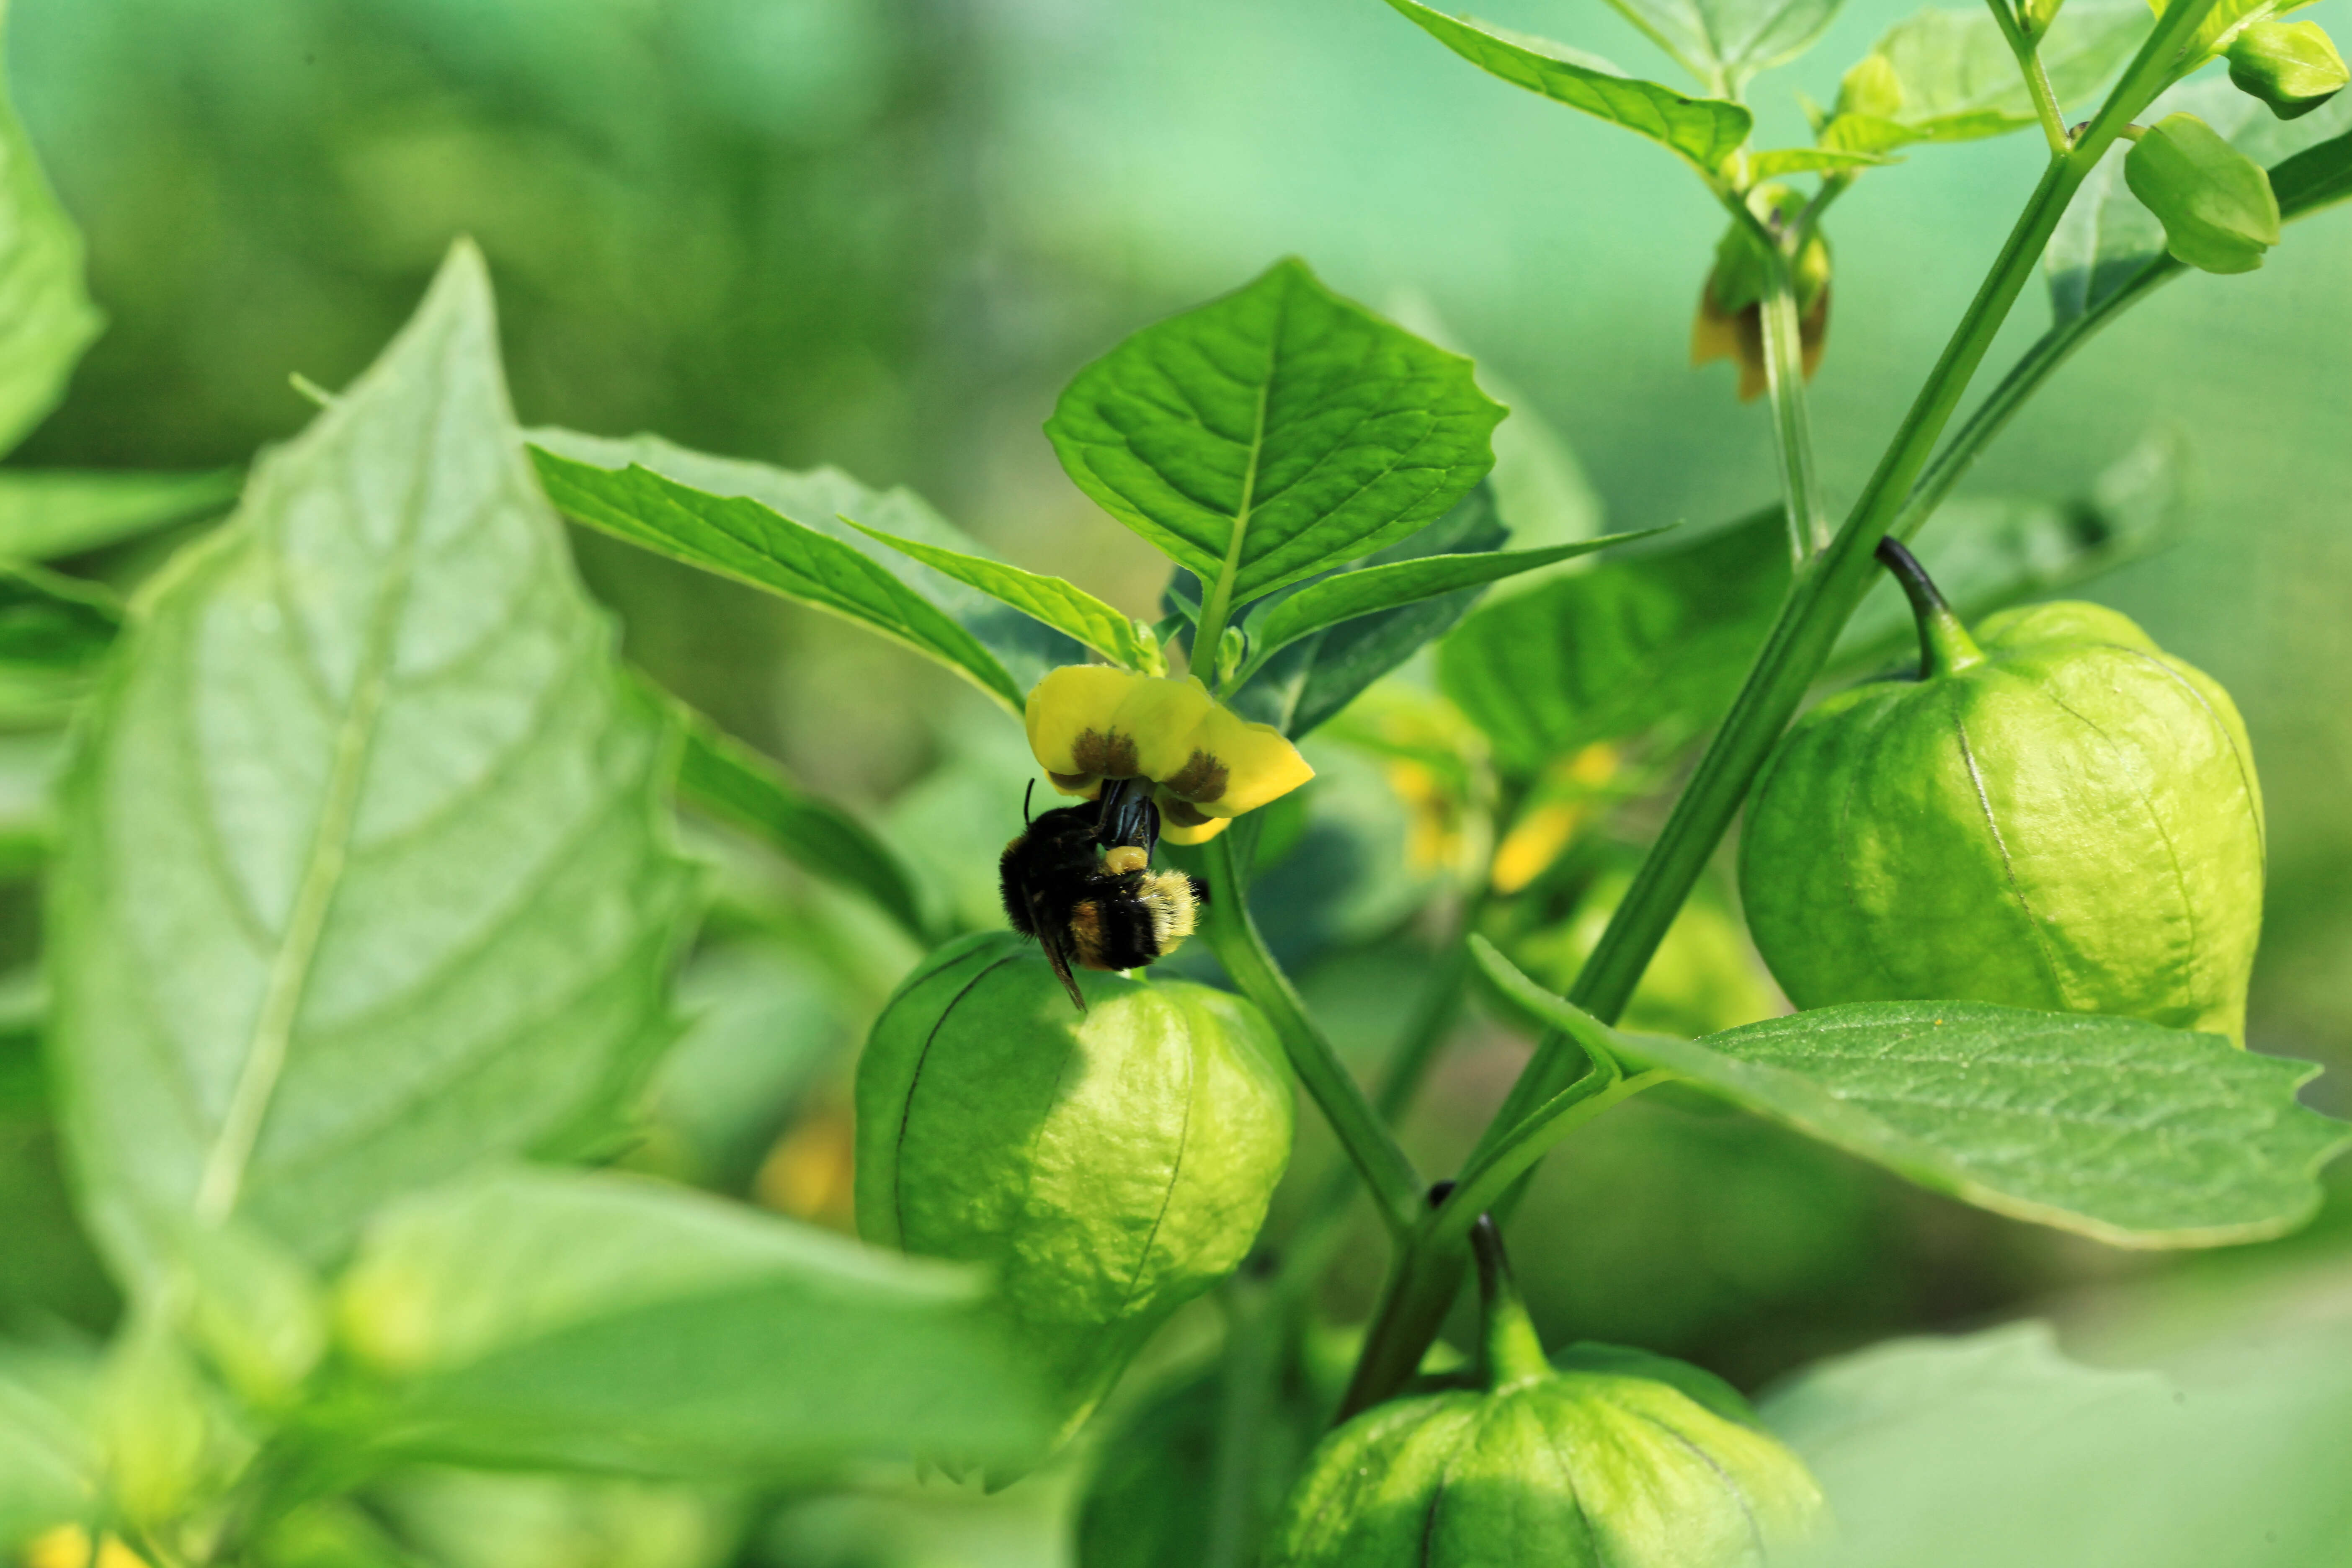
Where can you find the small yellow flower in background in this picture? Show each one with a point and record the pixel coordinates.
(1089, 723)
(1560, 803)
(68, 1546)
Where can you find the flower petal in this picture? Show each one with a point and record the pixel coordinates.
(1181, 824)
(1236, 766)
(1069, 716)
(1158, 719)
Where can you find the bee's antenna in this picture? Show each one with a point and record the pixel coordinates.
(1024, 802)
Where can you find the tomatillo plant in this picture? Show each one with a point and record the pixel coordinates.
(364, 893)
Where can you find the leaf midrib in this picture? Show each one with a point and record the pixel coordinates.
(1220, 603)
(231, 1154)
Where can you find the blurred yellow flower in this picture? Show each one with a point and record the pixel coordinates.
(68, 1546)
(1562, 802)
(1090, 722)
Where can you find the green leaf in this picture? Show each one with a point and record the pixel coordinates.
(721, 777)
(1782, 161)
(1703, 130)
(737, 537)
(1657, 642)
(53, 630)
(2314, 178)
(1994, 1448)
(1063, 606)
(1344, 596)
(1949, 75)
(1723, 42)
(52, 622)
(46, 319)
(818, 499)
(48, 1461)
(1314, 678)
(2112, 1128)
(563, 1320)
(1982, 1387)
(1658, 639)
(29, 765)
(763, 1020)
(46, 513)
(1274, 433)
(254, 1311)
(362, 875)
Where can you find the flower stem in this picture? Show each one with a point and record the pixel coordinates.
(1944, 646)
(1509, 1350)
(1792, 430)
(1233, 937)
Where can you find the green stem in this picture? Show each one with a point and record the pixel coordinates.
(1991, 416)
(1509, 1350)
(1944, 646)
(1421, 1286)
(1233, 937)
(2037, 81)
(1820, 601)
(1825, 596)
(1792, 430)
(1247, 1379)
(1319, 1234)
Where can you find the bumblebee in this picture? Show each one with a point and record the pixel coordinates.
(1079, 879)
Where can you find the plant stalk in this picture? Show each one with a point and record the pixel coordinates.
(1792, 429)
(1233, 935)
(1820, 599)
(2037, 81)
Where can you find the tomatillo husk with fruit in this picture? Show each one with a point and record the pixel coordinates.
(1596, 1458)
(1110, 1166)
(2053, 814)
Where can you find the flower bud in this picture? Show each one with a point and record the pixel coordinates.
(1110, 1165)
(2216, 204)
(2291, 65)
(2054, 815)
(1730, 322)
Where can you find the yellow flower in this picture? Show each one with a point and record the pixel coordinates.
(1089, 723)
(68, 1546)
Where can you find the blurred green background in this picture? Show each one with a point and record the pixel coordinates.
(883, 232)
